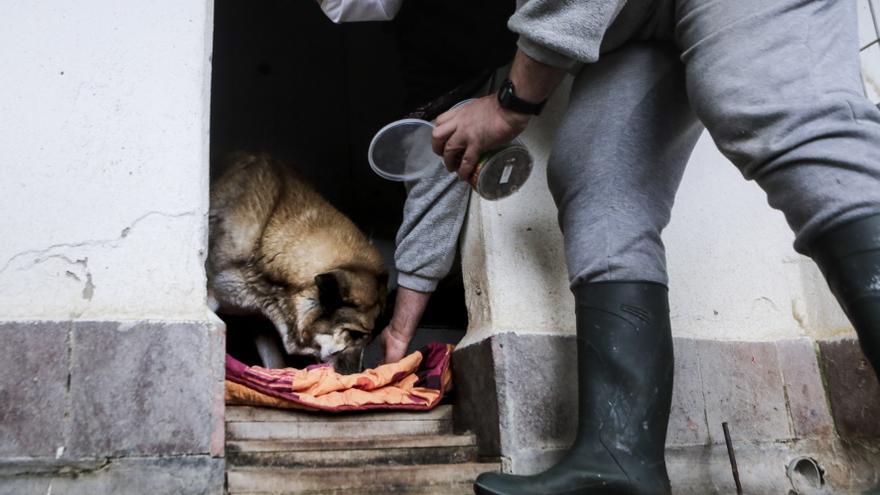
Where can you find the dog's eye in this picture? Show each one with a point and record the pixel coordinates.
(355, 334)
(281, 284)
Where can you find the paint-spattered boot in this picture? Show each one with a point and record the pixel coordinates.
(849, 257)
(625, 366)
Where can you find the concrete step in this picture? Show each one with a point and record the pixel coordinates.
(465, 488)
(254, 423)
(384, 450)
(421, 479)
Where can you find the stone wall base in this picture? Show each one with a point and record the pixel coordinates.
(173, 475)
(133, 407)
(518, 394)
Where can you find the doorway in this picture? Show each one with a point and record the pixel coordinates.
(289, 82)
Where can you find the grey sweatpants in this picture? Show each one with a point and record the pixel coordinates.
(775, 82)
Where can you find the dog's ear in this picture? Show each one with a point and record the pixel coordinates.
(332, 287)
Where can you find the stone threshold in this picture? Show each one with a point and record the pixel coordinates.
(782, 399)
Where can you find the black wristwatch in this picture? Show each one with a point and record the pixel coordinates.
(507, 99)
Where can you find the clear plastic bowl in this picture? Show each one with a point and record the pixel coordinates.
(401, 151)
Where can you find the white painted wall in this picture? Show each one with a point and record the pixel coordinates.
(512, 257)
(733, 272)
(104, 158)
(869, 43)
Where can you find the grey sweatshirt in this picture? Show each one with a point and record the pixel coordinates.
(559, 33)
(428, 236)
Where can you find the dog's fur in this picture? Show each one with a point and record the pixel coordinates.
(277, 248)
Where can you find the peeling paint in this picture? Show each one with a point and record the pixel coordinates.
(154, 272)
(89, 288)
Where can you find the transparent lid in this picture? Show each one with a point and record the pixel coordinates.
(402, 151)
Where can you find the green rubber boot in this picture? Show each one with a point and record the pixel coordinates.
(849, 257)
(625, 368)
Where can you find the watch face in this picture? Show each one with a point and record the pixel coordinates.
(506, 93)
(507, 99)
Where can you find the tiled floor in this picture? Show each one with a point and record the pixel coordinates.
(869, 27)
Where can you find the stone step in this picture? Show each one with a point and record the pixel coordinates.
(254, 423)
(465, 488)
(384, 450)
(421, 479)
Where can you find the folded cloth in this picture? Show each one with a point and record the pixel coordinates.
(416, 382)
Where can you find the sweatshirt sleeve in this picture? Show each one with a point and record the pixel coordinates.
(427, 240)
(562, 33)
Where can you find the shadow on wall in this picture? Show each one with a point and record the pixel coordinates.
(288, 81)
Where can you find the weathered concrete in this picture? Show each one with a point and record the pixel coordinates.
(251, 423)
(770, 393)
(33, 387)
(88, 407)
(476, 398)
(104, 227)
(175, 475)
(144, 388)
(327, 454)
(807, 402)
(687, 419)
(742, 384)
(853, 390)
(763, 467)
(452, 477)
(106, 123)
(518, 394)
(537, 394)
(346, 451)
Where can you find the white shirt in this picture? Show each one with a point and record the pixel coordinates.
(360, 10)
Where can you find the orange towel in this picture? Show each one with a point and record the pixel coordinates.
(418, 381)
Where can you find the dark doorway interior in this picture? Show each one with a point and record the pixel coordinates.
(288, 81)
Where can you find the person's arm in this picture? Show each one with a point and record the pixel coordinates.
(464, 133)
(408, 310)
(561, 34)
(427, 241)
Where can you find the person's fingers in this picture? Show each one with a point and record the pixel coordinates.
(468, 162)
(439, 136)
(453, 153)
(446, 116)
(393, 348)
(393, 356)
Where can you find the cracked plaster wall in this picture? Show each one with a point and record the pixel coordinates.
(733, 272)
(104, 159)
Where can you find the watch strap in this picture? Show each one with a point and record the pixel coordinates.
(508, 99)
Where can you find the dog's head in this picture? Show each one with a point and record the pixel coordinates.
(337, 318)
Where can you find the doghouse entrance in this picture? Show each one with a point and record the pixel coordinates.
(289, 82)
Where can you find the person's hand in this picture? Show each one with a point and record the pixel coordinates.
(409, 305)
(464, 133)
(393, 343)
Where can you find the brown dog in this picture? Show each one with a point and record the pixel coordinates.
(277, 248)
